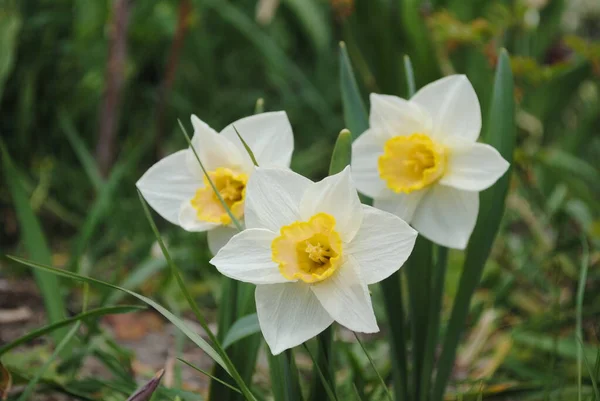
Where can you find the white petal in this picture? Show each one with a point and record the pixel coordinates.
(402, 205)
(382, 244)
(188, 218)
(365, 172)
(273, 198)
(447, 216)
(214, 150)
(474, 168)
(393, 116)
(454, 107)
(219, 236)
(289, 314)
(345, 296)
(167, 184)
(269, 136)
(247, 257)
(336, 196)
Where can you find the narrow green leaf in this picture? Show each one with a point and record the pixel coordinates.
(285, 381)
(36, 245)
(180, 324)
(59, 347)
(590, 372)
(204, 372)
(355, 112)
(391, 289)
(387, 391)
(226, 364)
(235, 221)
(418, 270)
(95, 313)
(86, 159)
(324, 369)
(101, 206)
(244, 327)
(342, 152)
(500, 132)
(433, 327)
(326, 384)
(418, 39)
(246, 147)
(410, 77)
(585, 261)
(10, 25)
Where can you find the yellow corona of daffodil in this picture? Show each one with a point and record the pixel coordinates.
(177, 188)
(312, 249)
(421, 161)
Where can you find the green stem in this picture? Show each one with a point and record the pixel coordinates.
(394, 307)
(325, 362)
(433, 328)
(418, 273)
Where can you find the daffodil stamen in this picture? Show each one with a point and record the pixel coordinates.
(232, 189)
(412, 162)
(309, 251)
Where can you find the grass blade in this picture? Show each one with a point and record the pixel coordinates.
(225, 361)
(355, 112)
(61, 345)
(585, 261)
(180, 324)
(95, 313)
(35, 243)
(248, 150)
(235, 221)
(326, 384)
(500, 132)
(385, 387)
(85, 157)
(591, 373)
(418, 274)
(394, 308)
(204, 372)
(242, 328)
(284, 377)
(433, 328)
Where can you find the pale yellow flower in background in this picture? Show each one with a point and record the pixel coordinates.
(177, 188)
(421, 161)
(312, 249)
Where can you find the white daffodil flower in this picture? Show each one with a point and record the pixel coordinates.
(177, 188)
(312, 249)
(419, 159)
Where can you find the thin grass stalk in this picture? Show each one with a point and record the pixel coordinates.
(433, 328)
(391, 289)
(214, 340)
(585, 261)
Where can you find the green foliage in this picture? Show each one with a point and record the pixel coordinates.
(53, 78)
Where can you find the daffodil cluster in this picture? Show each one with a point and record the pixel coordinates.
(312, 248)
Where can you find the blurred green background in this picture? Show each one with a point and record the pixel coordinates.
(91, 91)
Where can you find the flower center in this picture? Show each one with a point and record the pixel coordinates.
(232, 188)
(411, 162)
(308, 250)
